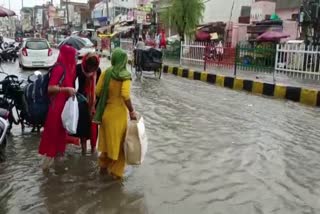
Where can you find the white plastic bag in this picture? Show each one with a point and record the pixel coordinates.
(70, 115)
(136, 142)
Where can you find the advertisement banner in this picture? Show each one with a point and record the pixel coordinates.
(143, 2)
(141, 17)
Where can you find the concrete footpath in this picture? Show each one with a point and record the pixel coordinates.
(262, 76)
(294, 89)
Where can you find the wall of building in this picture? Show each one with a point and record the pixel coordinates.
(239, 34)
(286, 14)
(289, 26)
(220, 10)
(260, 9)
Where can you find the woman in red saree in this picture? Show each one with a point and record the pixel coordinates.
(163, 42)
(54, 136)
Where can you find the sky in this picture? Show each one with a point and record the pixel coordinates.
(16, 4)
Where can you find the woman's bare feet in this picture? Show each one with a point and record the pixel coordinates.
(93, 150)
(103, 171)
(83, 147)
(47, 163)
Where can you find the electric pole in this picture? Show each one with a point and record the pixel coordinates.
(108, 15)
(21, 3)
(67, 6)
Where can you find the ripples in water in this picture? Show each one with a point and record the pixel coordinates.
(212, 150)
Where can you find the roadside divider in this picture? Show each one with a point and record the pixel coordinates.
(305, 96)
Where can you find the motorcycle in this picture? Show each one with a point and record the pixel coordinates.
(9, 52)
(15, 50)
(4, 125)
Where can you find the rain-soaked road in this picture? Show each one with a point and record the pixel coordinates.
(212, 151)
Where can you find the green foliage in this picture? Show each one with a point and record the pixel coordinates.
(184, 15)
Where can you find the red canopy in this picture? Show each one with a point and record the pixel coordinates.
(272, 36)
(202, 36)
(6, 12)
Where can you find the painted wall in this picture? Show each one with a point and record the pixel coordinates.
(220, 10)
(286, 14)
(239, 34)
(289, 26)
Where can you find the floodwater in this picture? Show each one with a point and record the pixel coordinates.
(212, 151)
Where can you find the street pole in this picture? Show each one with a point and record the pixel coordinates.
(108, 15)
(21, 3)
(67, 6)
(9, 5)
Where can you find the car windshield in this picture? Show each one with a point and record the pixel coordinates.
(37, 45)
(87, 42)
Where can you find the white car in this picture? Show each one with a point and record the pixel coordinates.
(88, 48)
(36, 53)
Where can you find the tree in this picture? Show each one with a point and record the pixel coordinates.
(184, 15)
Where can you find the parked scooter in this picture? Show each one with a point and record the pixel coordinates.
(9, 51)
(6, 52)
(4, 125)
(15, 50)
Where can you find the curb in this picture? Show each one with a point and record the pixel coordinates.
(310, 97)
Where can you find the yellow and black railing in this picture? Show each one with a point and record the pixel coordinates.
(297, 94)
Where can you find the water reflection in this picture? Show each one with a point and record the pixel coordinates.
(212, 150)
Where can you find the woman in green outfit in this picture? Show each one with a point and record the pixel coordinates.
(113, 90)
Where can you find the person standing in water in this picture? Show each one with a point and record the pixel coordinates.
(88, 73)
(61, 87)
(113, 90)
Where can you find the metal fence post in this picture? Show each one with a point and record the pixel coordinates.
(205, 59)
(276, 63)
(181, 49)
(235, 61)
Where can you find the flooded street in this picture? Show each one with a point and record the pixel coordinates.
(212, 151)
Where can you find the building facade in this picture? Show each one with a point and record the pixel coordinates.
(224, 10)
(288, 11)
(117, 8)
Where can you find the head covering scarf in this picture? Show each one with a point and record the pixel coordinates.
(84, 62)
(67, 57)
(118, 71)
(90, 82)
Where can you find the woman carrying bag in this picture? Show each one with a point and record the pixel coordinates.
(88, 73)
(54, 136)
(113, 90)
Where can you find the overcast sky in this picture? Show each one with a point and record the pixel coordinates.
(16, 4)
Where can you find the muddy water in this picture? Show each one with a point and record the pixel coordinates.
(212, 150)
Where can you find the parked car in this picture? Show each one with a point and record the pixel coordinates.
(36, 53)
(88, 48)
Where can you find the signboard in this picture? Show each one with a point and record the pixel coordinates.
(26, 22)
(148, 18)
(141, 17)
(60, 13)
(143, 2)
(39, 15)
(77, 19)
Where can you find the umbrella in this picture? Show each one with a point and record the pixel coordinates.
(272, 36)
(73, 41)
(4, 12)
